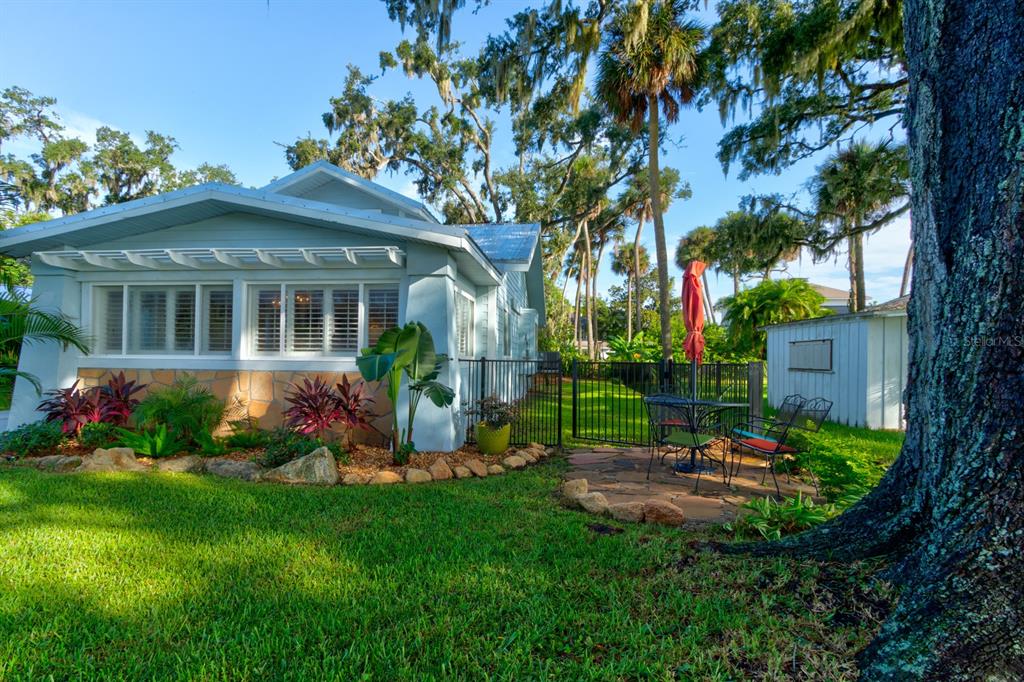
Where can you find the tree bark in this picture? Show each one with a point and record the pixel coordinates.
(629, 304)
(862, 296)
(593, 286)
(664, 309)
(587, 252)
(950, 511)
(636, 273)
(852, 264)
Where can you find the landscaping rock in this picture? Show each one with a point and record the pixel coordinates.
(495, 469)
(631, 512)
(111, 459)
(527, 455)
(385, 478)
(54, 463)
(574, 488)
(478, 468)
(514, 462)
(418, 476)
(229, 468)
(463, 472)
(316, 468)
(662, 512)
(550, 451)
(439, 470)
(356, 479)
(595, 503)
(189, 464)
(535, 446)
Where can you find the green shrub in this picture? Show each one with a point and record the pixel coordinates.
(285, 445)
(246, 435)
(155, 442)
(771, 520)
(211, 446)
(186, 408)
(32, 439)
(97, 435)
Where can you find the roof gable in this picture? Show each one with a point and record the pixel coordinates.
(324, 182)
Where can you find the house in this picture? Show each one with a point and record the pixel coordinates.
(856, 360)
(836, 300)
(251, 289)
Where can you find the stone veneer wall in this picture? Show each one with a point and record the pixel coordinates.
(253, 393)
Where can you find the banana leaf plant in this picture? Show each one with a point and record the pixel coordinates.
(406, 350)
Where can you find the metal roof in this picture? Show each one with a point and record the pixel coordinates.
(897, 307)
(507, 244)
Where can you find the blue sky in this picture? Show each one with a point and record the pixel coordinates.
(230, 80)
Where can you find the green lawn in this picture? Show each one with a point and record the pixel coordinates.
(158, 576)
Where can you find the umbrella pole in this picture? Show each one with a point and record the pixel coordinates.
(693, 379)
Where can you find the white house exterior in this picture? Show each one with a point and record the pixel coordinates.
(836, 300)
(856, 360)
(250, 289)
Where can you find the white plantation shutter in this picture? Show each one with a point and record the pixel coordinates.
(345, 323)
(108, 319)
(148, 310)
(267, 317)
(217, 337)
(381, 311)
(464, 324)
(185, 319)
(306, 317)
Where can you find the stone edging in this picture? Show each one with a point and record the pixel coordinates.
(575, 494)
(317, 468)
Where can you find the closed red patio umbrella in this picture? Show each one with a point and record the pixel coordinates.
(693, 311)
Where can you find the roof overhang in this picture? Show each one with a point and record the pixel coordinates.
(233, 258)
(202, 202)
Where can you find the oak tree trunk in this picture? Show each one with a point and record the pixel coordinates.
(664, 309)
(950, 511)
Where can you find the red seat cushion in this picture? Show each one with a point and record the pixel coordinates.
(765, 445)
(674, 422)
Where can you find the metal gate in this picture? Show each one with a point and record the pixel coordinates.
(534, 386)
(607, 397)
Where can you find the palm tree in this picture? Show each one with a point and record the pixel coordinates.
(633, 262)
(853, 192)
(22, 322)
(770, 302)
(649, 62)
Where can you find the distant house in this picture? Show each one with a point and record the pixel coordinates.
(251, 289)
(836, 300)
(856, 360)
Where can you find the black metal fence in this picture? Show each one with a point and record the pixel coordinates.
(534, 386)
(607, 397)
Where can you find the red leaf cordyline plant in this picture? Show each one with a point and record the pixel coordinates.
(354, 402)
(74, 407)
(313, 407)
(117, 401)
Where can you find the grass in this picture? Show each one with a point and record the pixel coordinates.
(162, 576)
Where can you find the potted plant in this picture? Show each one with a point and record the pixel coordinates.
(494, 427)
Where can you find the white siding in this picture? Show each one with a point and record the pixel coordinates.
(868, 372)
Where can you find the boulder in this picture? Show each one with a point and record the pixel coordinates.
(662, 512)
(478, 468)
(595, 503)
(539, 453)
(527, 455)
(535, 446)
(514, 462)
(229, 468)
(316, 468)
(550, 451)
(55, 463)
(439, 470)
(111, 459)
(463, 472)
(495, 469)
(385, 478)
(417, 476)
(189, 464)
(356, 479)
(631, 512)
(574, 488)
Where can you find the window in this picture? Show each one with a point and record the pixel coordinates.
(381, 311)
(464, 323)
(162, 320)
(305, 319)
(811, 356)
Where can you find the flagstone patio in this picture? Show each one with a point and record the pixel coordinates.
(621, 475)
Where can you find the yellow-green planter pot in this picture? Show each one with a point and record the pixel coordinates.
(492, 441)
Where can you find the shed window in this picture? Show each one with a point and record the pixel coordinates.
(811, 356)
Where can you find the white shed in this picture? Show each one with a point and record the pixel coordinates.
(856, 360)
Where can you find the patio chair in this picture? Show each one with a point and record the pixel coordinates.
(685, 426)
(767, 437)
(786, 413)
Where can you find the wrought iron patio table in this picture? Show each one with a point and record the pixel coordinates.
(707, 408)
